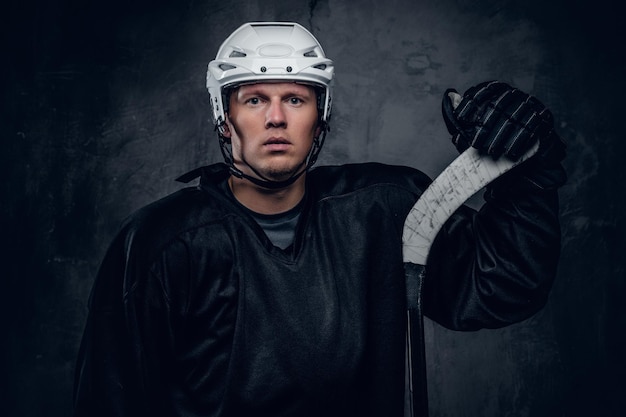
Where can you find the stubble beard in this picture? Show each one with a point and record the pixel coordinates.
(274, 171)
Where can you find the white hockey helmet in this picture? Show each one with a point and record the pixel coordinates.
(269, 51)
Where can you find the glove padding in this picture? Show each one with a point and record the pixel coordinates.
(498, 119)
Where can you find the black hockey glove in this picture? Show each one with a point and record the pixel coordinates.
(498, 119)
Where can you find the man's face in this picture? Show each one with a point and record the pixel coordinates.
(272, 127)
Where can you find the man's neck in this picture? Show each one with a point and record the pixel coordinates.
(265, 201)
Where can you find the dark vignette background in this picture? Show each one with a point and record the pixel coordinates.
(103, 104)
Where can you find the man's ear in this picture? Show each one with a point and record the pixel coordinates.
(318, 131)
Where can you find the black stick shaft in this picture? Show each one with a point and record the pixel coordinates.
(416, 354)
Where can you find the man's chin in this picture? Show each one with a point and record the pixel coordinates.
(280, 174)
(276, 172)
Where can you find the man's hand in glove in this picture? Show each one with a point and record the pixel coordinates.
(500, 120)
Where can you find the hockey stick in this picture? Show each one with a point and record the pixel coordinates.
(465, 176)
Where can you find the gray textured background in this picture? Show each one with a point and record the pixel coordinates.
(103, 104)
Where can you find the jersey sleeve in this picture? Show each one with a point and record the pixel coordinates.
(123, 357)
(494, 267)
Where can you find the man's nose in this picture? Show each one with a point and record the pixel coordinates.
(275, 116)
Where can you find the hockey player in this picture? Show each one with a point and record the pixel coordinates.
(275, 289)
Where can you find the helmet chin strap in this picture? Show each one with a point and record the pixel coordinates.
(264, 182)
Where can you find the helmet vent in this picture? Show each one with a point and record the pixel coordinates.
(226, 67)
(237, 54)
(310, 54)
(320, 67)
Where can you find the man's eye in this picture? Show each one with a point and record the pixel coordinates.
(253, 100)
(295, 100)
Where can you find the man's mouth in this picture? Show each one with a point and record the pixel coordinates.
(276, 141)
(277, 144)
